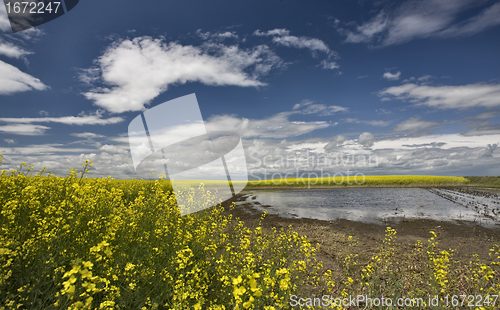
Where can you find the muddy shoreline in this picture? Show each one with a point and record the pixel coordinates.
(286, 188)
(465, 238)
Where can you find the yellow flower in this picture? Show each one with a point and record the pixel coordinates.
(237, 280)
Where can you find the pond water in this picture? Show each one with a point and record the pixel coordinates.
(376, 205)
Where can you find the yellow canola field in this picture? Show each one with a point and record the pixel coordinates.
(78, 243)
(360, 180)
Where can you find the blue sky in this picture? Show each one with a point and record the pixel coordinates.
(413, 83)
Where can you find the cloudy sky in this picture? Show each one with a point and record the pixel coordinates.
(414, 84)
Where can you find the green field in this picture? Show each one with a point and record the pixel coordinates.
(485, 181)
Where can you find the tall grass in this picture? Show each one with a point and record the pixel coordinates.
(485, 181)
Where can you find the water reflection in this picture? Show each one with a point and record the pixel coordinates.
(371, 205)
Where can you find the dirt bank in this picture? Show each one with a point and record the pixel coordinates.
(466, 239)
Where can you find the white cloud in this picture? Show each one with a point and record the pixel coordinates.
(435, 154)
(367, 31)
(68, 120)
(37, 150)
(283, 37)
(450, 141)
(392, 76)
(59, 160)
(10, 50)
(335, 142)
(331, 65)
(113, 149)
(9, 141)
(13, 80)
(415, 124)
(277, 126)
(87, 135)
(277, 32)
(203, 35)
(136, 71)
(483, 130)
(88, 76)
(487, 18)
(446, 97)
(302, 42)
(24, 129)
(422, 79)
(366, 139)
(422, 19)
(217, 36)
(227, 34)
(373, 123)
(309, 107)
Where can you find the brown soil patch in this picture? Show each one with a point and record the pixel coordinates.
(466, 239)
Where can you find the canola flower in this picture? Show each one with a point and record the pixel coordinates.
(374, 180)
(81, 243)
(414, 274)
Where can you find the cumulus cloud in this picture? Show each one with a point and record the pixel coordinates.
(415, 124)
(489, 150)
(446, 97)
(391, 76)
(422, 19)
(335, 142)
(434, 154)
(366, 139)
(13, 80)
(9, 141)
(136, 71)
